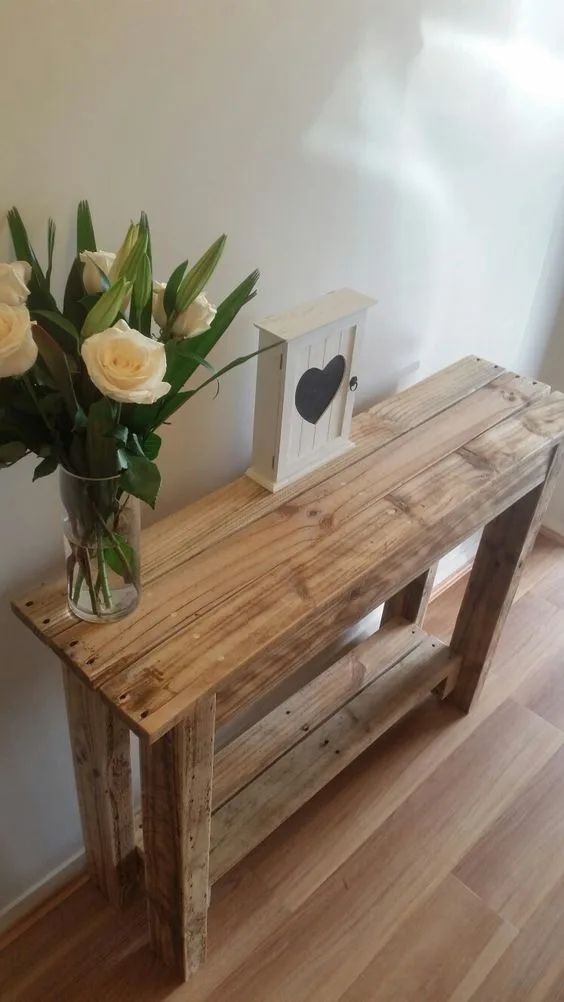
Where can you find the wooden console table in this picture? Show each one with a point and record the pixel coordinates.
(242, 587)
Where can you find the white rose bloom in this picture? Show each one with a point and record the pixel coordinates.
(18, 350)
(125, 365)
(94, 262)
(194, 320)
(13, 282)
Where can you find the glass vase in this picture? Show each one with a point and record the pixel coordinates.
(101, 525)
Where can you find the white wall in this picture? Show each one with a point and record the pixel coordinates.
(410, 148)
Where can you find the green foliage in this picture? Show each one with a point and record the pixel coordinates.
(85, 239)
(193, 283)
(106, 310)
(57, 364)
(142, 479)
(63, 330)
(46, 466)
(39, 297)
(101, 447)
(172, 286)
(142, 296)
(56, 411)
(50, 249)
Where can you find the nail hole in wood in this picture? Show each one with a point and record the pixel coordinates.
(29, 603)
(144, 713)
(91, 661)
(73, 643)
(45, 621)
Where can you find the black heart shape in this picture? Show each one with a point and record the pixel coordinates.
(317, 387)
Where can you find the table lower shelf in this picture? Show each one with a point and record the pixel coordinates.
(282, 761)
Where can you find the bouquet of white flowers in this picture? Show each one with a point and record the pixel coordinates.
(85, 388)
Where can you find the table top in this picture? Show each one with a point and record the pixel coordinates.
(242, 586)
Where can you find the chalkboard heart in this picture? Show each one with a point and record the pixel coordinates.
(317, 387)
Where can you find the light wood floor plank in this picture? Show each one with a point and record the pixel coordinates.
(374, 787)
(445, 942)
(519, 860)
(532, 968)
(332, 937)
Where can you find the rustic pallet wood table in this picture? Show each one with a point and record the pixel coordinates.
(243, 587)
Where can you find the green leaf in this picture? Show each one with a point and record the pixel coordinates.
(22, 246)
(124, 251)
(195, 280)
(10, 452)
(74, 291)
(142, 479)
(144, 225)
(173, 403)
(180, 368)
(80, 420)
(171, 290)
(134, 259)
(101, 447)
(50, 248)
(57, 365)
(141, 296)
(121, 434)
(106, 311)
(183, 348)
(45, 467)
(151, 445)
(61, 330)
(115, 560)
(61, 322)
(85, 239)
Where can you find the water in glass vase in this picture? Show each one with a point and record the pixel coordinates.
(101, 527)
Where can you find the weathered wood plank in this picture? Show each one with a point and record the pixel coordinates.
(247, 819)
(257, 748)
(337, 561)
(504, 547)
(206, 522)
(176, 776)
(102, 767)
(412, 601)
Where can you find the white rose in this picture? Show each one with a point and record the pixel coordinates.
(13, 282)
(18, 350)
(194, 320)
(125, 365)
(94, 263)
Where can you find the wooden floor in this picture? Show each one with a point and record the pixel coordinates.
(431, 869)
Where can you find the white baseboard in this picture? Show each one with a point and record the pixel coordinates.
(44, 889)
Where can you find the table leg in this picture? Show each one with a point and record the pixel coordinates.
(411, 602)
(504, 547)
(176, 776)
(102, 767)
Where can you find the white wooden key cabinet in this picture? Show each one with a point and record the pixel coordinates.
(244, 586)
(305, 386)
